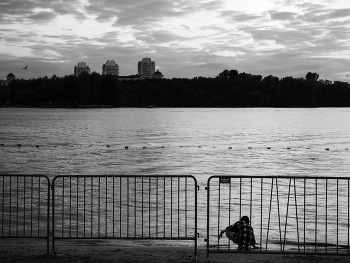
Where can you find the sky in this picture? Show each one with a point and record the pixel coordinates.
(186, 39)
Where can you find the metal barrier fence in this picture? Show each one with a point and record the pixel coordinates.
(24, 206)
(124, 207)
(299, 215)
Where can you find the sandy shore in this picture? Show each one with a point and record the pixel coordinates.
(79, 251)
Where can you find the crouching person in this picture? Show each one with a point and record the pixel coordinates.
(241, 233)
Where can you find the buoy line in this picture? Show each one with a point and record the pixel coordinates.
(127, 147)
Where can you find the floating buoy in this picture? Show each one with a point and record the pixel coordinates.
(144, 147)
(269, 148)
(249, 148)
(230, 148)
(72, 146)
(327, 149)
(161, 146)
(2, 144)
(37, 146)
(288, 148)
(19, 145)
(126, 147)
(108, 146)
(181, 146)
(199, 146)
(308, 148)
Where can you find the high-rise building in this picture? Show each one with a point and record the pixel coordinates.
(110, 68)
(146, 68)
(81, 67)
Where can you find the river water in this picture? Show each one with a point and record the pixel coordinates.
(176, 141)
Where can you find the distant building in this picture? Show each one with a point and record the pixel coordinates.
(9, 78)
(146, 68)
(110, 68)
(326, 82)
(81, 67)
(157, 75)
(342, 83)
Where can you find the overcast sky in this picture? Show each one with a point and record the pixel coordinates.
(185, 38)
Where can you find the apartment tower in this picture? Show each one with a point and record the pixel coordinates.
(81, 67)
(146, 68)
(110, 68)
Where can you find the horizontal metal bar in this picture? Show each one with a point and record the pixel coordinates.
(277, 176)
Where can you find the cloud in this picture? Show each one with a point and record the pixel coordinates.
(340, 13)
(286, 16)
(242, 17)
(38, 10)
(42, 16)
(185, 38)
(158, 36)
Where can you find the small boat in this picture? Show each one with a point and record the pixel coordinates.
(150, 106)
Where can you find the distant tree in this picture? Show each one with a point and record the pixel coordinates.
(244, 76)
(233, 74)
(271, 80)
(26, 97)
(110, 90)
(256, 78)
(95, 88)
(224, 74)
(4, 95)
(84, 81)
(229, 89)
(71, 89)
(312, 76)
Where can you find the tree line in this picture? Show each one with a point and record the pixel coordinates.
(228, 89)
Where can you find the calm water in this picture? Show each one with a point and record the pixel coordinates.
(198, 142)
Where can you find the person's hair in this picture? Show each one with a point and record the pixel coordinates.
(245, 219)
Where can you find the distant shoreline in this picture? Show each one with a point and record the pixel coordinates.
(59, 107)
(146, 107)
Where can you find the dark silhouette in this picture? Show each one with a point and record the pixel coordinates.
(228, 89)
(241, 233)
(25, 67)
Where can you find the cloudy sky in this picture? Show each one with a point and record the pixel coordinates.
(185, 38)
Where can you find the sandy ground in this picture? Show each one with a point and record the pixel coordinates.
(79, 251)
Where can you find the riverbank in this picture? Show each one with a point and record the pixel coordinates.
(79, 251)
(45, 106)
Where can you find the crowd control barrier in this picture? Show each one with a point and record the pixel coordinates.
(298, 215)
(24, 207)
(124, 207)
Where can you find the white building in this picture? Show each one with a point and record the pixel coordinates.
(110, 68)
(81, 67)
(157, 75)
(9, 78)
(146, 68)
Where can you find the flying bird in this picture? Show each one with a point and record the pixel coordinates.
(25, 67)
